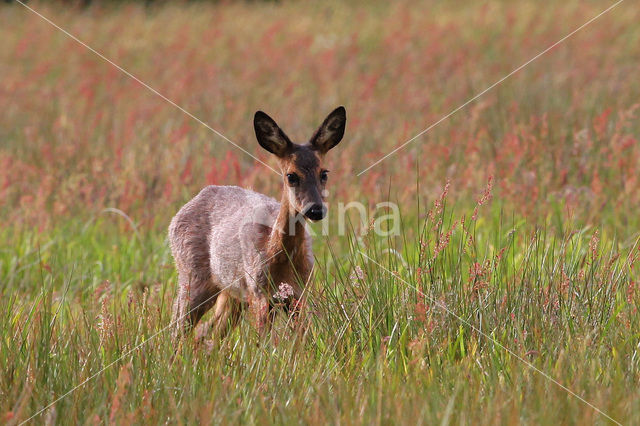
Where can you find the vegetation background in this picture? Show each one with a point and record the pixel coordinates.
(519, 247)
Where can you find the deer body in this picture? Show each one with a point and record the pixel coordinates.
(233, 247)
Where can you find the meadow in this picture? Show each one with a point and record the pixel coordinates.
(510, 296)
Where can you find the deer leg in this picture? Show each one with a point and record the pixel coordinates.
(194, 299)
(179, 317)
(259, 310)
(226, 313)
(200, 301)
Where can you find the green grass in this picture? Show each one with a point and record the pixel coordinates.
(383, 342)
(446, 323)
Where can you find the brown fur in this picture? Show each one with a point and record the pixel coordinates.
(234, 247)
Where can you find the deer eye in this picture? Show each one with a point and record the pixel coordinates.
(293, 179)
(324, 175)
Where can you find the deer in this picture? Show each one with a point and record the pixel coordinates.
(233, 247)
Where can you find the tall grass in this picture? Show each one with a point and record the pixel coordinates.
(519, 241)
(416, 333)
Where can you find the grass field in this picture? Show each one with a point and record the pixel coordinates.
(510, 295)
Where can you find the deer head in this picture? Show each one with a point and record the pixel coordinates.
(304, 176)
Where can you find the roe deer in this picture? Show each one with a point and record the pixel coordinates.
(232, 246)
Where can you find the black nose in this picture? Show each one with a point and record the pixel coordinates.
(315, 212)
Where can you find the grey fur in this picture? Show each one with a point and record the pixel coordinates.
(219, 243)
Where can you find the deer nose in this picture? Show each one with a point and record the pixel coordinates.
(316, 212)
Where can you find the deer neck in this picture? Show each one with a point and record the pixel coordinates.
(288, 236)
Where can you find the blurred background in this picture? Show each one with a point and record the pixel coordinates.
(78, 135)
(519, 211)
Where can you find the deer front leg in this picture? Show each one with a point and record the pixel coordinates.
(257, 298)
(259, 312)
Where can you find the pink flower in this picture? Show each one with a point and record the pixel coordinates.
(285, 291)
(358, 274)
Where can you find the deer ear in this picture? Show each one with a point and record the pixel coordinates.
(331, 131)
(270, 136)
